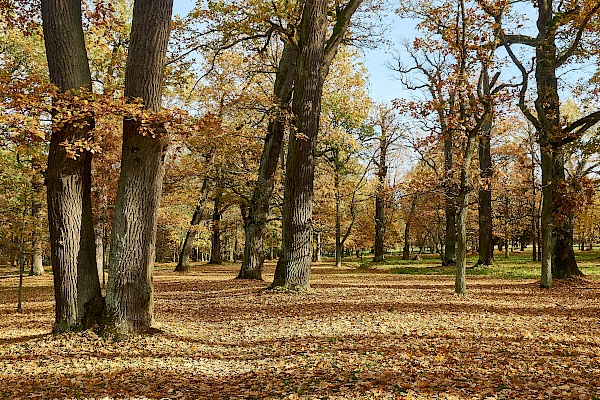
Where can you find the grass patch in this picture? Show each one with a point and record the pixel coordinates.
(518, 266)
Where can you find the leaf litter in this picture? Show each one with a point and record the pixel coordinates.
(354, 335)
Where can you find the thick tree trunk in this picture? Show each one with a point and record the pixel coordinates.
(486, 244)
(293, 267)
(564, 264)
(76, 284)
(258, 208)
(216, 256)
(547, 106)
(130, 292)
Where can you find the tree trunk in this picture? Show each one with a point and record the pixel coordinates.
(258, 208)
(506, 228)
(534, 214)
(319, 247)
(68, 180)
(231, 247)
(338, 220)
(293, 267)
(37, 183)
(380, 199)
(406, 249)
(130, 292)
(100, 255)
(183, 264)
(486, 244)
(450, 206)
(460, 286)
(547, 218)
(563, 264)
(216, 256)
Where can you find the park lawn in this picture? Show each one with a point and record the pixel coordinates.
(365, 333)
(518, 266)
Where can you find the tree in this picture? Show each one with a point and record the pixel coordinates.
(346, 106)
(258, 206)
(68, 178)
(25, 84)
(130, 292)
(387, 124)
(464, 101)
(561, 30)
(315, 54)
(486, 242)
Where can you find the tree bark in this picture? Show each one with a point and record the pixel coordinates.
(338, 220)
(547, 105)
(293, 267)
(534, 213)
(563, 263)
(183, 264)
(380, 200)
(100, 255)
(37, 183)
(460, 286)
(486, 244)
(319, 248)
(449, 257)
(216, 256)
(547, 218)
(130, 292)
(68, 180)
(258, 207)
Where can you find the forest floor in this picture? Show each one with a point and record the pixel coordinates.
(361, 333)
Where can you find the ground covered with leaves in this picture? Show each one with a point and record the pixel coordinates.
(357, 334)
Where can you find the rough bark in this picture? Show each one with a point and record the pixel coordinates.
(293, 267)
(379, 247)
(76, 284)
(130, 292)
(486, 244)
(547, 105)
(563, 263)
(547, 119)
(258, 207)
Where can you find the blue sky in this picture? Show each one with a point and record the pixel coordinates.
(383, 86)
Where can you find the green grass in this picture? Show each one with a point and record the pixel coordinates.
(517, 266)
